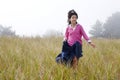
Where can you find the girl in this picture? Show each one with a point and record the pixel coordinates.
(72, 44)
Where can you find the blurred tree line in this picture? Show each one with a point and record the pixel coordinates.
(53, 33)
(6, 31)
(109, 29)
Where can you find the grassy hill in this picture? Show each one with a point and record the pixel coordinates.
(34, 59)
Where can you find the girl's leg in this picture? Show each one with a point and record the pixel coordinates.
(74, 62)
(77, 50)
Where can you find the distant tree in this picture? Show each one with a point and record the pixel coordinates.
(110, 29)
(112, 26)
(6, 31)
(97, 29)
(53, 33)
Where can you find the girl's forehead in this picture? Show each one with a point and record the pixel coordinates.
(73, 16)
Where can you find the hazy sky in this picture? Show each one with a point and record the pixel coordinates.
(35, 17)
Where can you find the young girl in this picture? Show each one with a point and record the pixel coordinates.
(72, 44)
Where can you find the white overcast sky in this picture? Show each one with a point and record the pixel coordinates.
(35, 17)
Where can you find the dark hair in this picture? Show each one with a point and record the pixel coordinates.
(70, 13)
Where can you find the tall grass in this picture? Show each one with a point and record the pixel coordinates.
(34, 59)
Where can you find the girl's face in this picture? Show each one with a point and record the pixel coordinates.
(73, 19)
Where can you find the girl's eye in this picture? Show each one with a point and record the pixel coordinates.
(73, 17)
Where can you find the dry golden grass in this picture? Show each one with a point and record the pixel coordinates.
(34, 59)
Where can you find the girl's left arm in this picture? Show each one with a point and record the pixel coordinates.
(87, 38)
(92, 44)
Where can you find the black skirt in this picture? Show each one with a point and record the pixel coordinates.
(69, 52)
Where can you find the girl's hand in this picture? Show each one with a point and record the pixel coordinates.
(93, 45)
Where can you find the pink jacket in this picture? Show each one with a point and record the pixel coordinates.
(75, 34)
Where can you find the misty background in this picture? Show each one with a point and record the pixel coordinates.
(99, 18)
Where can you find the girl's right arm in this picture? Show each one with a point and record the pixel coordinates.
(66, 34)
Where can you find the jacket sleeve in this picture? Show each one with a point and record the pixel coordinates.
(66, 34)
(85, 35)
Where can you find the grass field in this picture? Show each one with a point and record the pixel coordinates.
(34, 59)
